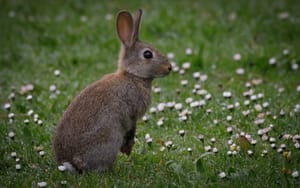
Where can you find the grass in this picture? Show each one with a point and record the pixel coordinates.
(79, 39)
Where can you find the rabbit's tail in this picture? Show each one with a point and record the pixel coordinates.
(69, 166)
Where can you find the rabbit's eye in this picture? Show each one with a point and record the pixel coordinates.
(148, 54)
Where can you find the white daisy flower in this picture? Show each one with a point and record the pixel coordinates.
(295, 174)
(237, 57)
(222, 175)
(56, 72)
(42, 184)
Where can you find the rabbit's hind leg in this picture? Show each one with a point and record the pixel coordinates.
(103, 156)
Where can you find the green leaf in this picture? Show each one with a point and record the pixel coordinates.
(169, 163)
(231, 171)
(177, 168)
(27, 135)
(199, 165)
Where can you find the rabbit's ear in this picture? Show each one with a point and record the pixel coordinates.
(125, 28)
(137, 23)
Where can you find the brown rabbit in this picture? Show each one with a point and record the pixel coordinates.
(101, 121)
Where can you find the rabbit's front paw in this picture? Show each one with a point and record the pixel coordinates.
(128, 142)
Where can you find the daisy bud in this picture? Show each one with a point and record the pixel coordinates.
(250, 152)
(213, 140)
(188, 51)
(56, 73)
(178, 106)
(201, 137)
(222, 175)
(169, 144)
(11, 135)
(295, 174)
(42, 153)
(182, 133)
(11, 116)
(227, 94)
(215, 150)
(152, 110)
(42, 184)
(161, 107)
(207, 148)
(170, 55)
(13, 154)
(160, 122)
(272, 61)
(196, 75)
(29, 97)
(237, 57)
(186, 65)
(145, 118)
(229, 142)
(18, 167)
(184, 82)
(7, 106)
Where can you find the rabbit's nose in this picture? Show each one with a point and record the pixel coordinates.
(170, 67)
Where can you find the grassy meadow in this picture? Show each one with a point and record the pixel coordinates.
(227, 116)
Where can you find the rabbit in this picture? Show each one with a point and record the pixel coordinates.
(101, 120)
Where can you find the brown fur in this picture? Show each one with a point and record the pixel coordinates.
(101, 120)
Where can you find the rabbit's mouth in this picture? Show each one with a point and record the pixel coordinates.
(165, 70)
